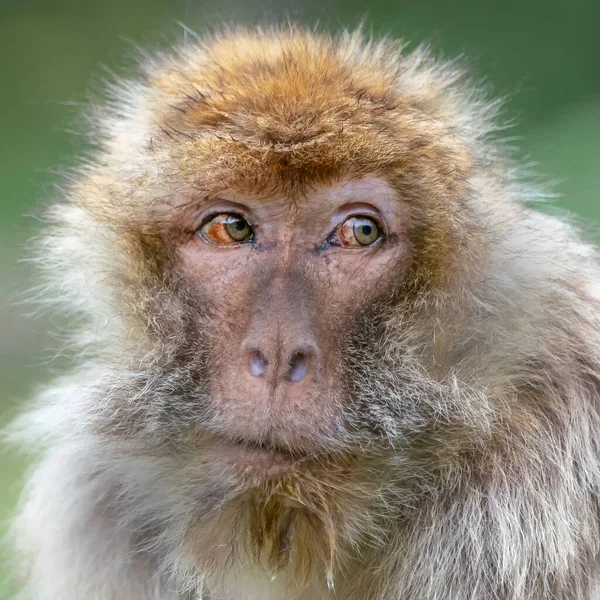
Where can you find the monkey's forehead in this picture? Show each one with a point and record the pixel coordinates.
(302, 83)
(263, 110)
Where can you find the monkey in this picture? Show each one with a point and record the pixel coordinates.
(325, 347)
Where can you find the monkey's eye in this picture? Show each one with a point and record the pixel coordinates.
(226, 229)
(356, 232)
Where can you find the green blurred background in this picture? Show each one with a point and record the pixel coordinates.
(543, 54)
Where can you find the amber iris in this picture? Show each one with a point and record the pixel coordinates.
(357, 232)
(226, 228)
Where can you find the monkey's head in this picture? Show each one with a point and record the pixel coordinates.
(263, 245)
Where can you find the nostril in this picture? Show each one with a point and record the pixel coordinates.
(298, 366)
(258, 363)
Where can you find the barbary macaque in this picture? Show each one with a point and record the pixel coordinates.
(325, 348)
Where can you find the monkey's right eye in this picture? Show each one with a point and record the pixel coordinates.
(226, 229)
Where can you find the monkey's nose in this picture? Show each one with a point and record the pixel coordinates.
(298, 366)
(294, 370)
(258, 363)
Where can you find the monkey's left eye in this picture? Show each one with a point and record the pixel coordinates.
(226, 229)
(356, 232)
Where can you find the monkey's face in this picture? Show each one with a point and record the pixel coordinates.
(285, 297)
(286, 281)
(269, 218)
(274, 218)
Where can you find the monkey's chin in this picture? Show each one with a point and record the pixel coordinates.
(283, 509)
(280, 509)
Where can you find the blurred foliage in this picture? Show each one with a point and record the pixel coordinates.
(543, 55)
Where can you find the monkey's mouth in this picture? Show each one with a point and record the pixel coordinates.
(257, 458)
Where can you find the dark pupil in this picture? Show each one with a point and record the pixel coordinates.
(238, 228)
(366, 230)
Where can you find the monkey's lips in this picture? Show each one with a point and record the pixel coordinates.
(253, 458)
